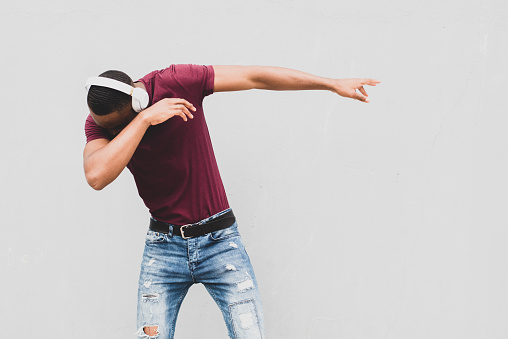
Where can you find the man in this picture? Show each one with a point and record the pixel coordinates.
(193, 236)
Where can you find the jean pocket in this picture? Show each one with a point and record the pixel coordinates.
(226, 233)
(154, 237)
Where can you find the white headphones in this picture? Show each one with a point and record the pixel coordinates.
(139, 96)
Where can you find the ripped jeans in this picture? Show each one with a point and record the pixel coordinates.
(219, 261)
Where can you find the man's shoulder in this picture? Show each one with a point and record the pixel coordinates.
(190, 81)
(94, 131)
(179, 70)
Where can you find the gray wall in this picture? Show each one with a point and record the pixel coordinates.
(380, 220)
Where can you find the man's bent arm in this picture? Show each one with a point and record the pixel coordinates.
(104, 160)
(237, 78)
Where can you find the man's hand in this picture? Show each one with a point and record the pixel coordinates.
(166, 109)
(347, 88)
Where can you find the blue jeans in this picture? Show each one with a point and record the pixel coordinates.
(219, 261)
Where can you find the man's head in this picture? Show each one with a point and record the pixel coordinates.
(111, 108)
(104, 100)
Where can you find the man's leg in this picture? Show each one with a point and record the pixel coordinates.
(163, 283)
(226, 272)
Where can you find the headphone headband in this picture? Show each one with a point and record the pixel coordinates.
(110, 83)
(140, 98)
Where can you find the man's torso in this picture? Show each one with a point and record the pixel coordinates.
(174, 165)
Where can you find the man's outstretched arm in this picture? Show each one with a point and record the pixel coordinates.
(239, 78)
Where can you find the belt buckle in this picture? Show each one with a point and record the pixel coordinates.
(181, 231)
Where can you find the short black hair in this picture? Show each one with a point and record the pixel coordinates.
(104, 100)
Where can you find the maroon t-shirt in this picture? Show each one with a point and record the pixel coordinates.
(174, 165)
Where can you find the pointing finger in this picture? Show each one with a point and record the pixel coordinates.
(370, 82)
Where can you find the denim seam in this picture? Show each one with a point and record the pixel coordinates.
(178, 305)
(191, 270)
(227, 236)
(218, 304)
(213, 296)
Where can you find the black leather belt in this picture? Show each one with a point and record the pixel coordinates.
(195, 230)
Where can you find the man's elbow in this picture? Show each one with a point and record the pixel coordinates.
(97, 187)
(95, 182)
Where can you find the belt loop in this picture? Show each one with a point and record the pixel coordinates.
(170, 231)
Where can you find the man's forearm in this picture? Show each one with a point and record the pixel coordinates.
(281, 79)
(105, 164)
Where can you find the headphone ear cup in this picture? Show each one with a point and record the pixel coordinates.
(140, 99)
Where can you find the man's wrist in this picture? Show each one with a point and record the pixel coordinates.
(331, 84)
(144, 118)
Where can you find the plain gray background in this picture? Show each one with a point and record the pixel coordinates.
(380, 220)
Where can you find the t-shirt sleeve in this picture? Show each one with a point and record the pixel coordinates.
(198, 80)
(93, 131)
